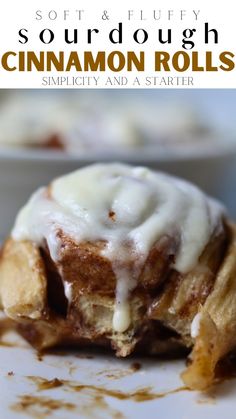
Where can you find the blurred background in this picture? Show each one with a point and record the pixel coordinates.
(46, 133)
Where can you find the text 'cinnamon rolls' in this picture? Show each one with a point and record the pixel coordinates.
(128, 258)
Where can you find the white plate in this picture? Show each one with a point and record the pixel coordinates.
(94, 388)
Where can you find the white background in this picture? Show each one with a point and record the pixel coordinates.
(15, 15)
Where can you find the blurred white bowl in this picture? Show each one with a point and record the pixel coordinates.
(212, 168)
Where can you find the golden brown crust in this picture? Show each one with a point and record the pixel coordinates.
(182, 295)
(163, 304)
(217, 332)
(23, 283)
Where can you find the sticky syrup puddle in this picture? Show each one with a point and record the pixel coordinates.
(29, 403)
(139, 395)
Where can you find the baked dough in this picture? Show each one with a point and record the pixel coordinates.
(68, 278)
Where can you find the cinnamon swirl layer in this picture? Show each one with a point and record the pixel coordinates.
(117, 256)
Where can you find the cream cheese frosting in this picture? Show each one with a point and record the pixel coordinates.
(121, 204)
(195, 325)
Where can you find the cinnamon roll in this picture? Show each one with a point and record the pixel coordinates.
(126, 258)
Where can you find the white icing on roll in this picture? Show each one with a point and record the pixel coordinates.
(68, 291)
(195, 325)
(121, 204)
